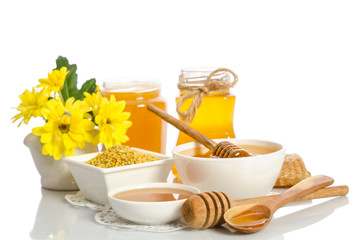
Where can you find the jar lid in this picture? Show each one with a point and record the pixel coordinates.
(137, 85)
(197, 76)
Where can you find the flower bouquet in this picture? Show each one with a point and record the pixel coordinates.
(74, 119)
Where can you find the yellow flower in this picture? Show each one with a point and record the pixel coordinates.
(65, 129)
(55, 80)
(93, 101)
(98, 89)
(112, 122)
(31, 105)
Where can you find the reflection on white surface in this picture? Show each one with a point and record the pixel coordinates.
(295, 220)
(57, 219)
(308, 216)
(54, 220)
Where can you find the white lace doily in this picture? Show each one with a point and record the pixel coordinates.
(107, 216)
(79, 200)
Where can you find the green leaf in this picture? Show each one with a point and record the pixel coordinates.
(89, 86)
(70, 84)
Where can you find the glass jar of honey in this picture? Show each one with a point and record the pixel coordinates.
(206, 103)
(148, 131)
(214, 115)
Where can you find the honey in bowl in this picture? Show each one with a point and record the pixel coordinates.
(206, 153)
(153, 195)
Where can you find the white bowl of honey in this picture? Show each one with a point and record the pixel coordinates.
(240, 178)
(150, 203)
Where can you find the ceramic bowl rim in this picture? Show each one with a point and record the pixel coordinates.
(175, 150)
(186, 187)
(82, 158)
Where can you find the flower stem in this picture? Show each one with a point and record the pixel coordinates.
(66, 92)
(61, 97)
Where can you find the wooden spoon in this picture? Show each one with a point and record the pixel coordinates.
(223, 149)
(254, 217)
(206, 210)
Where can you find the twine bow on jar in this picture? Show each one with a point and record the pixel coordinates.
(213, 83)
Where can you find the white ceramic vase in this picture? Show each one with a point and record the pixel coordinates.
(55, 174)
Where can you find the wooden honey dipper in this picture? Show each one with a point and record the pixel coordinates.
(206, 210)
(222, 149)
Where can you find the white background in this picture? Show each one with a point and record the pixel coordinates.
(298, 62)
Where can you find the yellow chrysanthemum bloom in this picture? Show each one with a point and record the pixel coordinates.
(112, 122)
(55, 80)
(65, 129)
(93, 101)
(98, 89)
(31, 105)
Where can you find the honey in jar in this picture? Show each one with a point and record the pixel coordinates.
(214, 115)
(148, 131)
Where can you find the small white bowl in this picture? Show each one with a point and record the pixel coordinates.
(149, 213)
(95, 182)
(240, 178)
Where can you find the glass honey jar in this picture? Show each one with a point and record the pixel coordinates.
(148, 131)
(206, 103)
